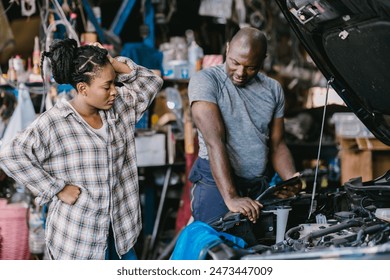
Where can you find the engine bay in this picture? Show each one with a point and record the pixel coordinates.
(346, 223)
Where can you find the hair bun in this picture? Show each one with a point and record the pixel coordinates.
(62, 54)
(68, 45)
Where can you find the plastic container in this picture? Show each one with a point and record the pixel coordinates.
(383, 214)
(282, 213)
(176, 69)
(36, 233)
(195, 53)
(348, 125)
(14, 232)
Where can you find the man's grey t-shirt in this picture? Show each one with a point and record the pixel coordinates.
(246, 112)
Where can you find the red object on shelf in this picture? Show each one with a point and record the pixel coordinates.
(211, 60)
(13, 232)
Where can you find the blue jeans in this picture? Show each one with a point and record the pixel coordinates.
(111, 253)
(207, 204)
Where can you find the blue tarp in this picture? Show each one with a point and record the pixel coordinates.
(143, 55)
(148, 57)
(197, 238)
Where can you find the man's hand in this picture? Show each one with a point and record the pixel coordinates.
(69, 194)
(289, 191)
(246, 206)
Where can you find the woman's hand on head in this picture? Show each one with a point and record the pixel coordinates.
(69, 194)
(97, 44)
(119, 67)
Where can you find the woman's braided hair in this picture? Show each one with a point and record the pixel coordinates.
(71, 64)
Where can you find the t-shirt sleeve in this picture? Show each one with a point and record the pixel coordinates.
(279, 108)
(202, 87)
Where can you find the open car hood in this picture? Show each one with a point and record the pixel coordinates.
(349, 41)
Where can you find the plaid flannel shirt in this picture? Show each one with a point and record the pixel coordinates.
(59, 148)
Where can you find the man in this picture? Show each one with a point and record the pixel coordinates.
(239, 115)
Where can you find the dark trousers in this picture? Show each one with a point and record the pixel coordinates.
(111, 253)
(207, 204)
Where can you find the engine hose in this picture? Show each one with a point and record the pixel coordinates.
(379, 235)
(369, 230)
(332, 229)
(359, 236)
(292, 230)
(375, 228)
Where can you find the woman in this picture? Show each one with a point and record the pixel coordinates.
(79, 156)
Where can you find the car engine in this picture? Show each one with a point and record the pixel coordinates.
(352, 222)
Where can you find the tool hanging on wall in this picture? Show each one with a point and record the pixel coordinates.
(144, 28)
(147, 28)
(28, 7)
(7, 40)
(161, 6)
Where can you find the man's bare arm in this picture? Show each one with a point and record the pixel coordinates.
(208, 120)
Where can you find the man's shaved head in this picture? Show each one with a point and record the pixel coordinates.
(252, 39)
(245, 55)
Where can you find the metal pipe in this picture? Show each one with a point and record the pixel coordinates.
(332, 229)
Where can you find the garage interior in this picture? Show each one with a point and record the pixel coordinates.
(335, 153)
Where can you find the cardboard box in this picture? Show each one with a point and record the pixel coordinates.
(364, 157)
(150, 150)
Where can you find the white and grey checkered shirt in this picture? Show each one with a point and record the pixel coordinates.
(58, 148)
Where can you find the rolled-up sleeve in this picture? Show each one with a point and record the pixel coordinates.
(22, 160)
(140, 86)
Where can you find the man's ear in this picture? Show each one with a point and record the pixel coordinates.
(82, 88)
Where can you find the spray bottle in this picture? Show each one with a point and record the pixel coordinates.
(195, 53)
(36, 56)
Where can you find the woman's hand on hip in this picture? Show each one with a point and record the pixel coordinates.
(69, 194)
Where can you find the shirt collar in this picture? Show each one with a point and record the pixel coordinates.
(259, 77)
(65, 108)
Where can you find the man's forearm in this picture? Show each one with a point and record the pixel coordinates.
(283, 162)
(221, 170)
